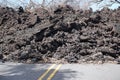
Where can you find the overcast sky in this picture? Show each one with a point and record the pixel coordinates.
(93, 6)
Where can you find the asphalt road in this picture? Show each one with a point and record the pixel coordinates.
(17, 71)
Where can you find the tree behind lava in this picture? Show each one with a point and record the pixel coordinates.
(51, 4)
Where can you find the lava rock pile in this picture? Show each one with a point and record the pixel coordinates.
(62, 36)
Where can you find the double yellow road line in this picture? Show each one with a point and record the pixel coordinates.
(48, 70)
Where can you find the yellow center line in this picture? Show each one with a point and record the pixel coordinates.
(46, 72)
(54, 72)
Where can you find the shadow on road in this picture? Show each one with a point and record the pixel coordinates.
(65, 74)
(33, 72)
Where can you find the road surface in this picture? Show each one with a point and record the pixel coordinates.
(18, 71)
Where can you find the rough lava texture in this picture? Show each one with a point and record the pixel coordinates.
(62, 36)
